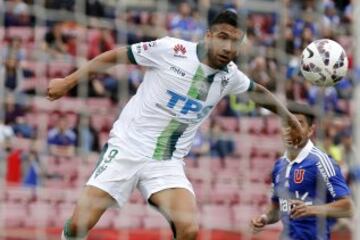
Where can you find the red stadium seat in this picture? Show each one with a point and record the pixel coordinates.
(25, 33)
(20, 194)
(208, 163)
(202, 191)
(153, 219)
(127, 223)
(224, 193)
(216, 217)
(242, 215)
(38, 68)
(273, 125)
(2, 34)
(130, 216)
(133, 210)
(22, 143)
(42, 104)
(99, 105)
(91, 34)
(229, 124)
(41, 214)
(107, 219)
(40, 33)
(59, 69)
(53, 195)
(73, 105)
(13, 214)
(243, 144)
(256, 125)
(65, 211)
(235, 164)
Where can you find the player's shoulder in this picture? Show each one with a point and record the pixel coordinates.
(281, 161)
(324, 162)
(234, 71)
(176, 43)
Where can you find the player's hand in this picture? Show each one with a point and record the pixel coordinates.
(293, 132)
(299, 209)
(57, 88)
(257, 224)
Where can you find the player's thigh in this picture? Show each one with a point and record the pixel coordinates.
(165, 185)
(91, 204)
(178, 205)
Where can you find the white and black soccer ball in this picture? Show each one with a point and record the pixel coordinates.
(324, 62)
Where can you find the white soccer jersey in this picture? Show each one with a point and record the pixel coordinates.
(178, 92)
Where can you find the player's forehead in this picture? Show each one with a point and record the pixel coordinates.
(301, 117)
(228, 30)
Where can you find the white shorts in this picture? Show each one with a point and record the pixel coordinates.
(119, 176)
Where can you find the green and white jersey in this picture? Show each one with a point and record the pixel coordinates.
(177, 94)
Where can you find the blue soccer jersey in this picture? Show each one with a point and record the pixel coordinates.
(313, 178)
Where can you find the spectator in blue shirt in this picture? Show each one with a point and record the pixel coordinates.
(62, 139)
(309, 191)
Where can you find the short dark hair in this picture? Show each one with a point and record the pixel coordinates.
(228, 16)
(303, 109)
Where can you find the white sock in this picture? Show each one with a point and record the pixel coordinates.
(63, 236)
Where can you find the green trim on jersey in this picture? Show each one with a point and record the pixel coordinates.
(200, 85)
(167, 140)
(198, 78)
(130, 55)
(101, 157)
(251, 86)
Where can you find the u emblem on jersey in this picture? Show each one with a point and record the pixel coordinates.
(299, 175)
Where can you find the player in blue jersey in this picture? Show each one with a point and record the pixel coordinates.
(309, 191)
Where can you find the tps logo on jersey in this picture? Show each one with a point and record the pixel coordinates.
(187, 105)
(179, 51)
(299, 175)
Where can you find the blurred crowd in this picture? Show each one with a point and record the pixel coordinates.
(34, 49)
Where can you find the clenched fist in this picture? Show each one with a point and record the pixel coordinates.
(57, 88)
(257, 224)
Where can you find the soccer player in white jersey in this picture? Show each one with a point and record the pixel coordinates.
(147, 143)
(309, 191)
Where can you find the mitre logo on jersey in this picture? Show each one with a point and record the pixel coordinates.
(224, 83)
(299, 175)
(179, 51)
(148, 45)
(145, 47)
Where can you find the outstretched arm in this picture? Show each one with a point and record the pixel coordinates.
(264, 98)
(60, 86)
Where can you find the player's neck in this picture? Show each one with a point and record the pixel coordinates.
(207, 62)
(203, 56)
(292, 153)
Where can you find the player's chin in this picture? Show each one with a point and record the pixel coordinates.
(222, 62)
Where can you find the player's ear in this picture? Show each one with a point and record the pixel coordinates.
(311, 130)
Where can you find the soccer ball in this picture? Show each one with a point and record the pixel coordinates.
(324, 62)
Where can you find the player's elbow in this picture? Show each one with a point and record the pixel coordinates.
(351, 209)
(348, 208)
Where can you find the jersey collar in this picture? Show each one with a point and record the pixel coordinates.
(303, 153)
(201, 54)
